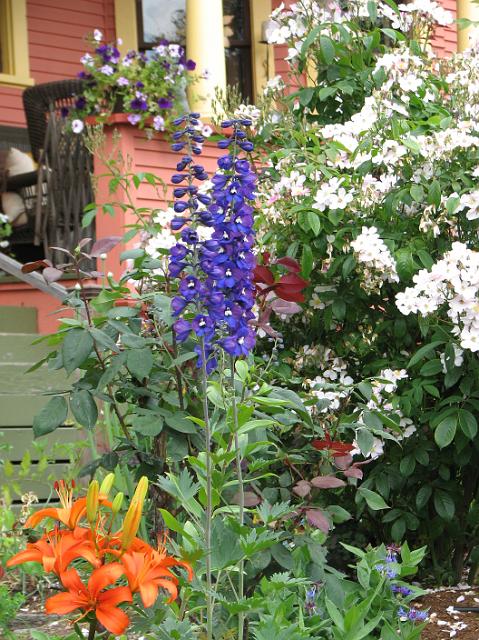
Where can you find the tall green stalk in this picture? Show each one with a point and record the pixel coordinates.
(209, 496)
(239, 476)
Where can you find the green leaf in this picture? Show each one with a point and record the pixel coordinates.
(423, 352)
(444, 505)
(76, 348)
(373, 499)
(53, 415)
(307, 261)
(407, 466)
(468, 423)
(327, 49)
(314, 222)
(140, 362)
(445, 431)
(434, 193)
(103, 339)
(431, 368)
(422, 496)
(84, 408)
(339, 309)
(305, 96)
(179, 422)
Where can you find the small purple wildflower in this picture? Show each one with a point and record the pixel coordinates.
(401, 590)
(310, 601)
(122, 81)
(133, 118)
(414, 615)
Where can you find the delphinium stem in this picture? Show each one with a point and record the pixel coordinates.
(209, 496)
(239, 475)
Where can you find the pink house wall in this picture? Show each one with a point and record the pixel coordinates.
(56, 40)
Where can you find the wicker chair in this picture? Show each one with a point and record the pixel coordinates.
(56, 194)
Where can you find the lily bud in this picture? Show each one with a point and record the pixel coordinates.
(141, 491)
(92, 501)
(107, 484)
(133, 515)
(117, 502)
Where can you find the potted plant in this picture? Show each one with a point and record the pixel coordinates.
(150, 87)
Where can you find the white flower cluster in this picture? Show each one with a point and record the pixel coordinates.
(378, 264)
(248, 111)
(332, 195)
(454, 281)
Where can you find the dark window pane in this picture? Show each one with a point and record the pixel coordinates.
(236, 22)
(237, 33)
(238, 70)
(161, 19)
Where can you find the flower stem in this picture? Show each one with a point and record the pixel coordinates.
(92, 630)
(209, 496)
(239, 476)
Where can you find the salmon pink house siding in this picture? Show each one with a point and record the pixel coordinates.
(445, 38)
(56, 41)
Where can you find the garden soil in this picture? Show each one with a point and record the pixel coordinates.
(446, 622)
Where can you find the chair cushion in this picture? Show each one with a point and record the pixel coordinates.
(18, 162)
(13, 206)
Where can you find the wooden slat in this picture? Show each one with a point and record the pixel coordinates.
(19, 410)
(18, 319)
(36, 480)
(19, 440)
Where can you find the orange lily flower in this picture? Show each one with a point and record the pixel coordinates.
(147, 571)
(56, 550)
(94, 597)
(69, 513)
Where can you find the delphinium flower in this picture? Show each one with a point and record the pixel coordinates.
(214, 257)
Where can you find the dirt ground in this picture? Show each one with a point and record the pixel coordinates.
(444, 621)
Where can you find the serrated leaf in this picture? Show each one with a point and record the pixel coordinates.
(76, 348)
(445, 431)
(83, 408)
(373, 499)
(444, 505)
(468, 423)
(52, 416)
(140, 363)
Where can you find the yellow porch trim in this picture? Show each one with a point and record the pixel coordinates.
(126, 25)
(205, 45)
(469, 10)
(262, 57)
(14, 34)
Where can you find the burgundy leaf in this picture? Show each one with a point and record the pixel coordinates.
(343, 462)
(104, 245)
(302, 488)
(263, 274)
(285, 308)
(51, 274)
(251, 499)
(29, 267)
(290, 264)
(353, 472)
(317, 519)
(83, 242)
(327, 482)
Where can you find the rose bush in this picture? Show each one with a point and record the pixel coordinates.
(371, 186)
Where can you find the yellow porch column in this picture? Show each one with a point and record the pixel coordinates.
(205, 45)
(126, 24)
(469, 10)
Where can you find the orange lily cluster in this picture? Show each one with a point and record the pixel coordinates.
(103, 556)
